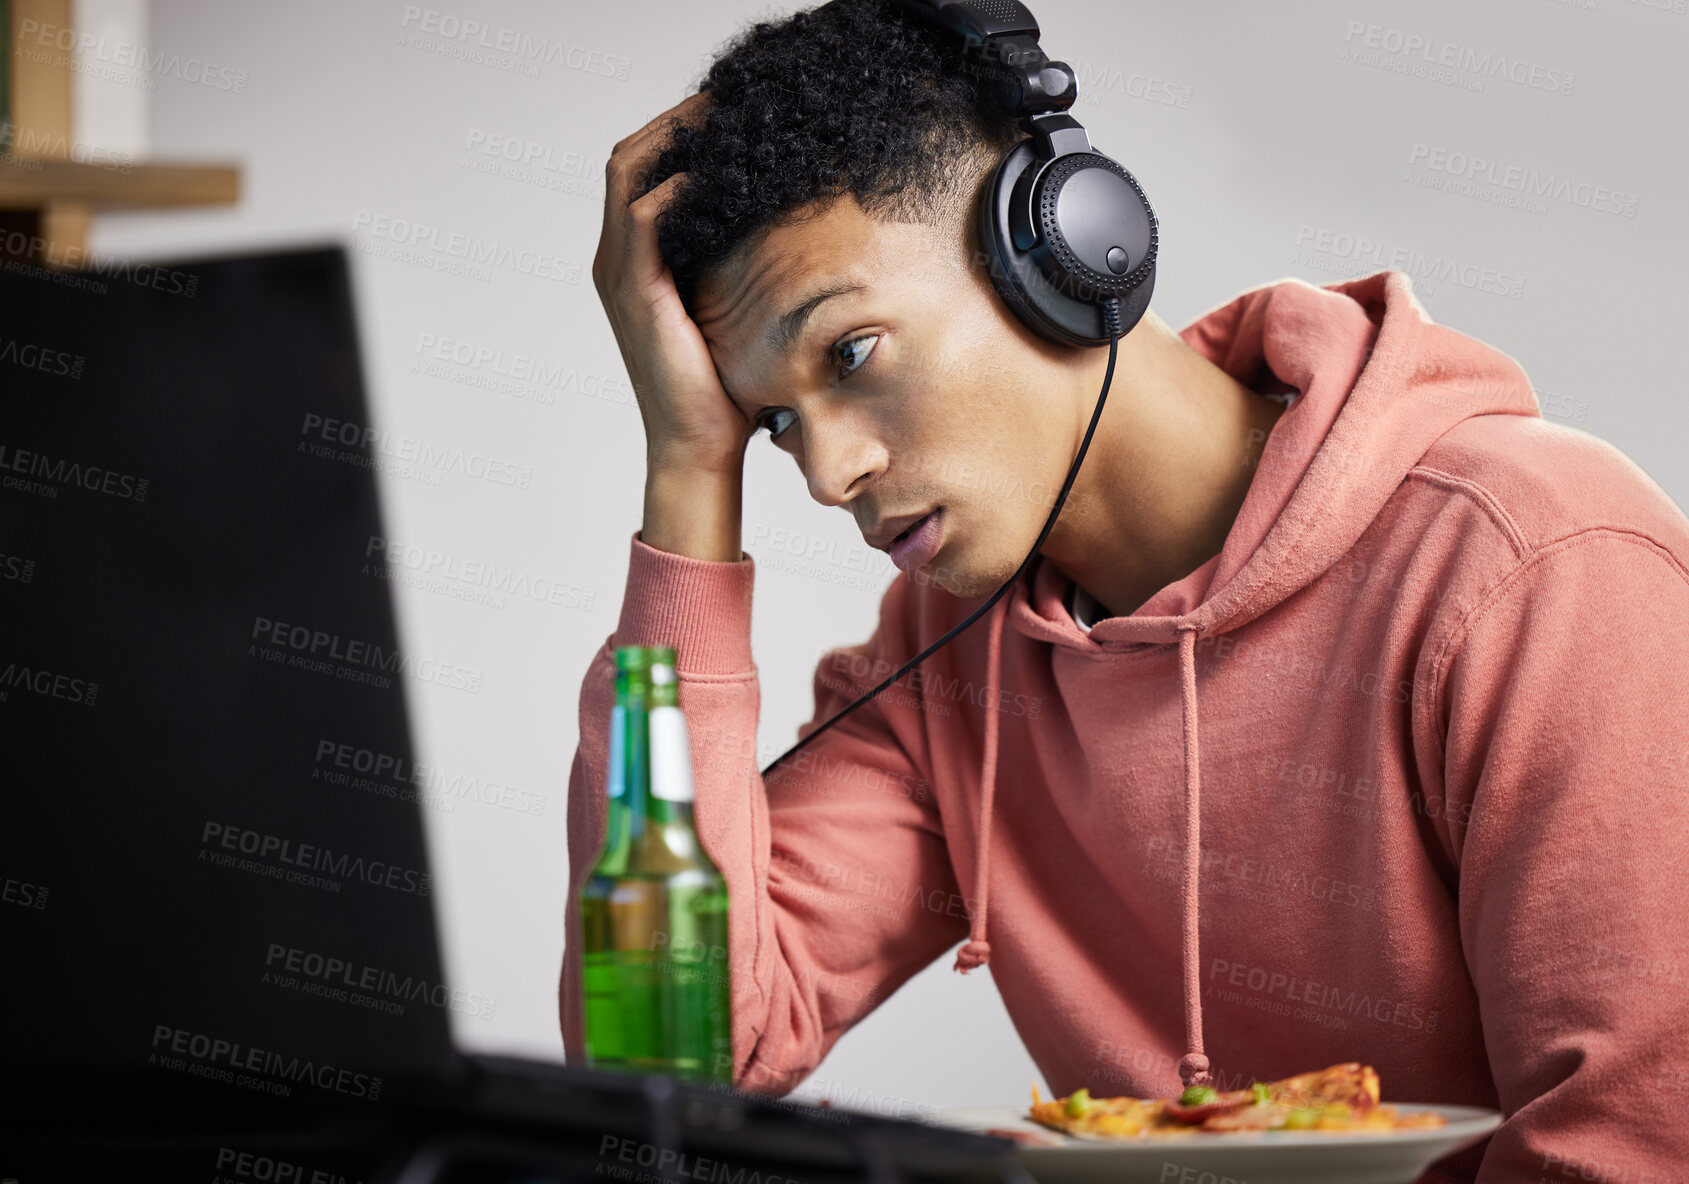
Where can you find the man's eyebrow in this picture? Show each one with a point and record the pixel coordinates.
(789, 328)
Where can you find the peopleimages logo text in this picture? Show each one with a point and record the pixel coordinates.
(440, 782)
(319, 643)
(471, 248)
(316, 859)
(70, 472)
(342, 976)
(428, 561)
(237, 1056)
(89, 51)
(502, 39)
(49, 684)
(1452, 56)
(446, 458)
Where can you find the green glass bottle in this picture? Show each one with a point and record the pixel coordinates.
(629, 658)
(656, 990)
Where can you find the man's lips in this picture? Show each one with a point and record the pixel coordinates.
(920, 544)
(891, 529)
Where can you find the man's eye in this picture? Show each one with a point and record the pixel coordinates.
(854, 356)
(767, 420)
(850, 350)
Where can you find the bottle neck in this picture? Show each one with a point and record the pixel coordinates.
(658, 765)
(663, 813)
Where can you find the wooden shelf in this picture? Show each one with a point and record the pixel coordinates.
(28, 183)
(47, 199)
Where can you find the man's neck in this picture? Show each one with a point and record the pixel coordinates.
(1166, 472)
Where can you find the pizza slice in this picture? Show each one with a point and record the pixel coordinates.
(1341, 1098)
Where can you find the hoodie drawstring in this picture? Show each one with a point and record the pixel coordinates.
(977, 951)
(1193, 1066)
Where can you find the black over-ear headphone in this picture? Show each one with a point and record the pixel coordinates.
(1065, 231)
(1062, 226)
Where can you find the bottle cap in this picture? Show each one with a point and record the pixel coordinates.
(663, 672)
(634, 657)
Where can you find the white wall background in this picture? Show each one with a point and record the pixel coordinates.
(1268, 146)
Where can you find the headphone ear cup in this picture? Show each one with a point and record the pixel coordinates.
(1052, 309)
(993, 229)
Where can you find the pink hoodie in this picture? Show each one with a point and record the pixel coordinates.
(1432, 684)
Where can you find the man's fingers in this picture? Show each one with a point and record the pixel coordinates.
(633, 155)
(645, 261)
(629, 258)
(690, 105)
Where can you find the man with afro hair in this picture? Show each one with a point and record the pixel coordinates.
(1340, 717)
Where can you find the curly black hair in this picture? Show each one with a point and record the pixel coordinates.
(852, 97)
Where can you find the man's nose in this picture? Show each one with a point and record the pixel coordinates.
(841, 458)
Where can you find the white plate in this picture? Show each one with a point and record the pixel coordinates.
(1242, 1157)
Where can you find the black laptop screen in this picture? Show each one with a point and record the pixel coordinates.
(212, 861)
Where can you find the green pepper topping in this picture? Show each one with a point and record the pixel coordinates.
(1263, 1094)
(1199, 1095)
(1301, 1119)
(1077, 1101)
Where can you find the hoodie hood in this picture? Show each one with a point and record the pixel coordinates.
(1379, 382)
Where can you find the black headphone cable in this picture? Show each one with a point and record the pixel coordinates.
(1111, 320)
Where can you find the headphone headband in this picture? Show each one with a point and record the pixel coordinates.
(1004, 33)
(979, 20)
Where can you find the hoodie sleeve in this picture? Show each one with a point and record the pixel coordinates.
(839, 882)
(1567, 778)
